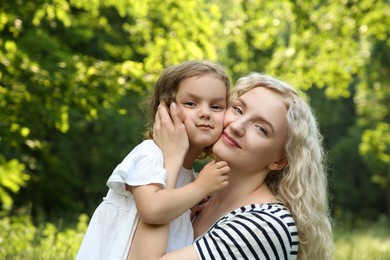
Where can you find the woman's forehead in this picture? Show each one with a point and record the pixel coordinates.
(265, 103)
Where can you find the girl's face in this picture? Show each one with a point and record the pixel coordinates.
(202, 103)
(255, 129)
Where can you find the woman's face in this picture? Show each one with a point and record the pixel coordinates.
(255, 130)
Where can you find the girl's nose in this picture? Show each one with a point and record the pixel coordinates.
(204, 111)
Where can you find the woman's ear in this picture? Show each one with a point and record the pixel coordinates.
(278, 165)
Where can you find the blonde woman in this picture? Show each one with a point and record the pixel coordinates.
(275, 206)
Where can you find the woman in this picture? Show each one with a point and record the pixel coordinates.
(275, 206)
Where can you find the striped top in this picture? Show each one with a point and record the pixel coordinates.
(255, 231)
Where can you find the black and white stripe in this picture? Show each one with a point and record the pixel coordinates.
(256, 231)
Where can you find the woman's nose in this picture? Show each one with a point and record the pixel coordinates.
(238, 127)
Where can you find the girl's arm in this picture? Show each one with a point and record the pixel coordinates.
(188, 253)
(150, 243)
(152, 200)
(170, 134)
(159, 206)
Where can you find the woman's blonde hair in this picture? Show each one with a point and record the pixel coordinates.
(302, 184)
(169, 82)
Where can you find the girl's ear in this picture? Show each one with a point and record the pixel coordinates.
(278, 165)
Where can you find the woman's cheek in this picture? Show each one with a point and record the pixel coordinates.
(229, 117)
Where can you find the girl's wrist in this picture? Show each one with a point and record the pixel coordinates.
(200, 189)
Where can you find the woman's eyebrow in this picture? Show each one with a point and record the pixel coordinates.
(269, 124)
(242, 102)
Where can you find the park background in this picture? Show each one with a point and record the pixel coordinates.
(74, 73)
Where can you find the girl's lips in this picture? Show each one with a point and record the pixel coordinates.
(204, 126)
(230, 140)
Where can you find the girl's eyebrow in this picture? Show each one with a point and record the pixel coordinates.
(220, 99)
(196, 96)
(262, 119)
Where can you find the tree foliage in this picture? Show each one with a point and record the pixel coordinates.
(73, 74)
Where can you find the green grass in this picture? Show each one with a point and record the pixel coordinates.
(20, 239)
(366, 243)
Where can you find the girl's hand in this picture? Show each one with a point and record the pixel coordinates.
(214, 176)
(170, 134)
(198, 208)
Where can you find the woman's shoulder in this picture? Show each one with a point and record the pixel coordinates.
(276, 208)
(275, 214)
(254, 231)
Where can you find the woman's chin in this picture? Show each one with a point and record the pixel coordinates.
(214, 157)
(217, 152)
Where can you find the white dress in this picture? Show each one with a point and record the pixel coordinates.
(113, 223)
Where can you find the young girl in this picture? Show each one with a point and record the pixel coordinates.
(139, 188)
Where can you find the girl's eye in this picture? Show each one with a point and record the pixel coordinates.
(189, 103)
(217, 107)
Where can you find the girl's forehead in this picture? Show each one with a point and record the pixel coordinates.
(204, 83)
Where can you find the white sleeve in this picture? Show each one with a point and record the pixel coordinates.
(146, 170)
(142, 166)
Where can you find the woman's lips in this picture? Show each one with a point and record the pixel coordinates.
(230, 140)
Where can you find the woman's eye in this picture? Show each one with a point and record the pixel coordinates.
(238, 110)
(263, 130)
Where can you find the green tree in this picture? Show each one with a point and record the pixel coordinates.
(73, 73)
(340, 48)
(372, 99)
(72, 77)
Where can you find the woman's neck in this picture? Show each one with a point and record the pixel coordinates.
(244, 188)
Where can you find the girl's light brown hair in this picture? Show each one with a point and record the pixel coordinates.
(169, 82)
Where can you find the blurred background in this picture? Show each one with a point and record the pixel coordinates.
(74, 74)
